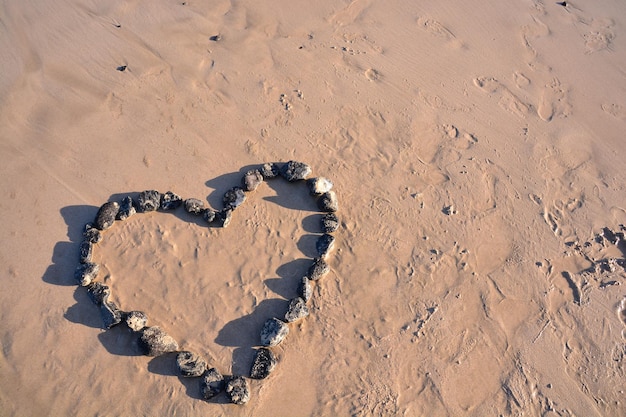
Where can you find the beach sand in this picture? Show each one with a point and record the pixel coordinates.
(477, 150)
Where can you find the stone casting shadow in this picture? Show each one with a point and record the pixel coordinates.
(242, 334)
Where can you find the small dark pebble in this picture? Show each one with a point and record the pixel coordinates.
(190, 364)
(330, 223)
(208, 215)
(295, 171)
(194, 206)
(212, 384)
(92, 234)
(270, 170)
(233, 198)
(237, 390)
(86, 251)
(122, 68)
(562, 3)
(87, 272)
(98, 292)
(106, 215)
(328, 202)
(273, 332)
(305, 290)
(224, 217)
(127, 208)
(136, 320)
(325, 245)
(297, 310)
(170, 201)
(318, 269)
(264, 363)
(215, 38)
(319, 185)
(155, 342)
(149, 200)
(251, 180)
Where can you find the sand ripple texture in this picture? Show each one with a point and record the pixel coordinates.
(478, 150)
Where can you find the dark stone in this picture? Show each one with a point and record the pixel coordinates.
(106, 215)
(86, 251)
(273, 332)
(170, 201)
(318, 269)
(237, 390)
(208, 215)
(155, 342)
(189, 364)
(127, 208)
(325, 244)
(215, 38)
(330, 223)
(87, 272)
(319, 185)
(212, 384)
(110, 313)
(149, 200)
(297, 310)
(98, 292)
(92, 234)
(251, 180)
(295, 171)
(264, 363)
(194, 206)
(224, 217)
(136, 320)
(305, 290)
(233, 198)
(269, 170)
(328, 202)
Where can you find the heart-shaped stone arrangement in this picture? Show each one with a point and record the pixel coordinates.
(153, 341)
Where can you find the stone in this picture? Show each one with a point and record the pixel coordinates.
(194, 206)
(269, 170)
(273, 332)
(251, 180)
(237, 390)
(305, 290)
(297, 310)
(208, 215)
(127, 208)
(110, 313)
(318, 269)
(233, 198)
(87, 272)
(190, 364)
(330, 223)
(86, 251)
(155, 342)
(264, 363)
(328, 202)
(149, 200)
(98, 292)
(224, 217)
(295, 171)
(136, 320)
(106, 215)
(212, 384)
(92, 234)
(319, 185)
(325, 245)
(170, 201)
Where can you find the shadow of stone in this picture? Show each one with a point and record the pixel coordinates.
(121, 341)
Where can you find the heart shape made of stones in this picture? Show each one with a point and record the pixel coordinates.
(154, 341)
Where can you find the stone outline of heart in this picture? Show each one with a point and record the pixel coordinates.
(152, 339)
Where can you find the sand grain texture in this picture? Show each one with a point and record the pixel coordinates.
(476, 150)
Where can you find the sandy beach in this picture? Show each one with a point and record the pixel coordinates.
(477, 152)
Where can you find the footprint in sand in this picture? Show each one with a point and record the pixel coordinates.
(438, 30)
(372, 75)
(614, 110)
(621, 312)
(553, 101)
(506, 98)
